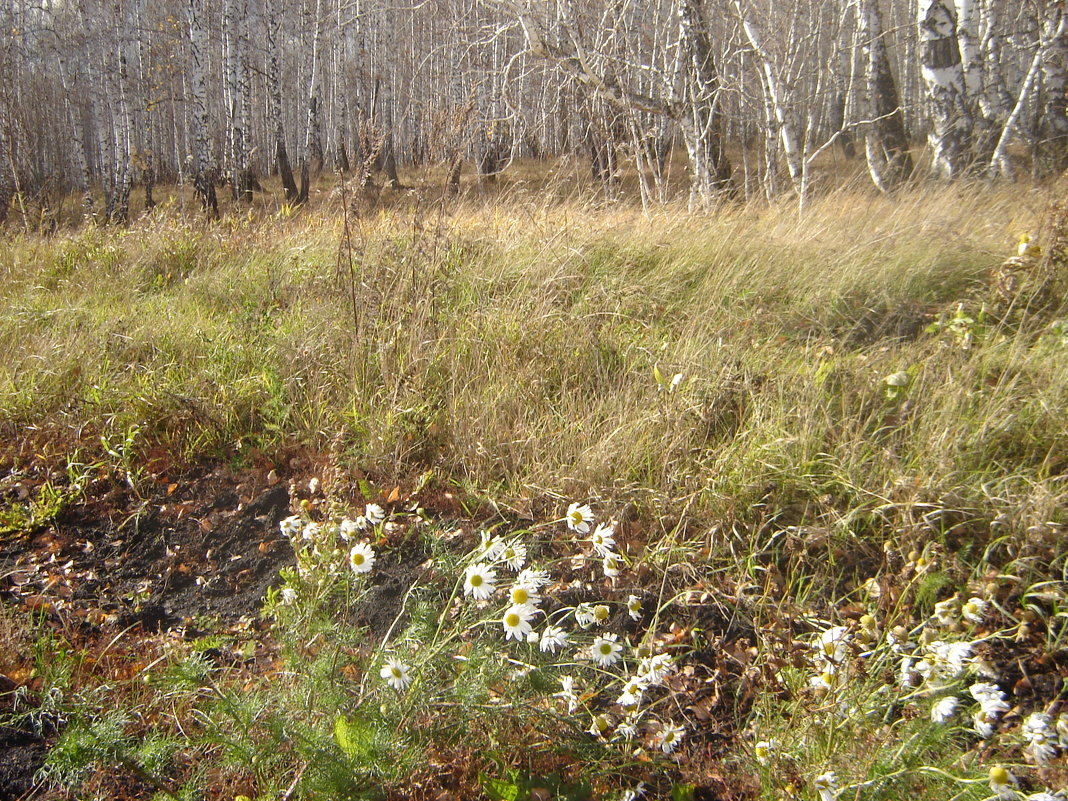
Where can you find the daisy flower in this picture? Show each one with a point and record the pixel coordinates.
(361, 558)
(944, 709)
(291, 526)
(826, 784)
(632, 692)
(1002, 782)
(764, 751)
(823, 682)
(605, 650)
(990, 697)
(579, 518)
(599, 726)
(516, 622)
(567, 683)
(514, 554)
(653, 669)
(490, 547)
(974, 610)
(603, 538)
(347, 529)
(311, 531)
(1042, 747)
(634, 607)
(668, 737)
(983, 723)
(601, 613)
(396, 674)
(1036, 723)
(626, 730)
(530, 577)
(833, 644)
(374, 514)
(946, 612)
(611, 563)
(479, 581)
(523, 595)
(553, 638)
(584, 615)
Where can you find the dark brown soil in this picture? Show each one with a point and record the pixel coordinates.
(179, 553)
(197, 553)
(22, 750)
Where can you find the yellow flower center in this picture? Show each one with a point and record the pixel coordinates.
(476, 580)
(511, 620)
(357, 558)
(606, 649)
(600, 612)
(520, 595)
(395, 671)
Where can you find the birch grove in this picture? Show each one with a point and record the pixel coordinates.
(706, 100)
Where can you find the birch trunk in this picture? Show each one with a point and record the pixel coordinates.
(311, 157)
(940, 62)
(699, 118)
(274, 101)
(82, 177)
(886, 145)
(384, 98)
(1054, 29)
(776, 96)
(7, 164)
(1053, 124)
(203, 162)
(237, 88)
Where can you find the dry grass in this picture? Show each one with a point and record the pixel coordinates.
(511, 346)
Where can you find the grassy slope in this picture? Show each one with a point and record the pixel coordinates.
(512, 351)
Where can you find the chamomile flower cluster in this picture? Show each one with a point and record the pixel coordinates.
(324, 549)
(505, 589)
(945, 672)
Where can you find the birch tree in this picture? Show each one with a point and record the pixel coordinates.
(273, 72)
(886, 142)
(1052, 151)
(235, 15)
(203, 160)
(943, 73)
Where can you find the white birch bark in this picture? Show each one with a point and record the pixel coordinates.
(203, 160)
(776, 94)
(235, 13)
(943, 74)
(275, 123)
(82, 178)
(1053, 126)
(1055, 28)
(312, 151)
(699, 119)
(886, 145)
